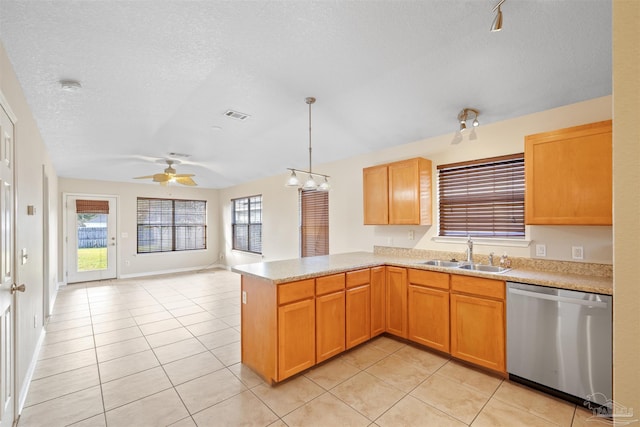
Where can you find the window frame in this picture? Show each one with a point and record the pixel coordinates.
(174, 226)
(492, 197)
(249, 224)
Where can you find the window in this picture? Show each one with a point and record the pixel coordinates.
(247, 224)
(483, 198)
(166, 225)
(314, 223)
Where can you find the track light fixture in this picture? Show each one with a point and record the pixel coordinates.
(463, 117)
(496, 25)
(310, 183)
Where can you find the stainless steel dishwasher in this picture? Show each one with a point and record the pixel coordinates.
(560, 340)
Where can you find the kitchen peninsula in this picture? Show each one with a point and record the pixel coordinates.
(297, 313)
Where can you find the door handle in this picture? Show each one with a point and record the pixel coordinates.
(15, 288)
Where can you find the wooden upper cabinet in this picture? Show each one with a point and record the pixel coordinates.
(410, 192)
(375, 195)
(398, 193)
(568, 176)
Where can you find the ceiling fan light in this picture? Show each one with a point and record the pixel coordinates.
(476, 123)
(293, 180)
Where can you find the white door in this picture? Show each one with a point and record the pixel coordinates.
(7, 361)
(91, 238)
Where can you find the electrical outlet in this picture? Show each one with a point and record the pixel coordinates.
(127, 263)
(244, 297)
(412, 235)
(577, 252)
(541, 250)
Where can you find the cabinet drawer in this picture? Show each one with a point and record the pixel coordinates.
(358, 277)
(328, 284)
(433, 279)
(478, 286)
(295, 291)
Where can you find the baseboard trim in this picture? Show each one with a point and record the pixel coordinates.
(22, 398)
(175, 270)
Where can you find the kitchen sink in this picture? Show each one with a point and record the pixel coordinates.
(486, 268)
(441, 263)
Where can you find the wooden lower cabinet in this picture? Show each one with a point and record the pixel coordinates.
(330, 316)
(378, 280)
(429, 317)
(358, 309)
(396, 301)
(478, 321)
(296, 337)
(330, 325)
(428, 308)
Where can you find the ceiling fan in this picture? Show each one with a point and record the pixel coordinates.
(170, 175)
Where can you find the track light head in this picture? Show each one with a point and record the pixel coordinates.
(497, 21)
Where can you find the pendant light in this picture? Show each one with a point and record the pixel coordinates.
(310, 183)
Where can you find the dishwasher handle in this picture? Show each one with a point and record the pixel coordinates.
(557, 298)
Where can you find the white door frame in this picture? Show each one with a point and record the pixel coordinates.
(65, 229)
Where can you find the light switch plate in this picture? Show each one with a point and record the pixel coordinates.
(541, 250)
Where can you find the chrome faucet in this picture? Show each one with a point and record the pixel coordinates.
(470, 251)
(491, 258)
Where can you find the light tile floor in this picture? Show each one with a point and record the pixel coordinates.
(165, 351)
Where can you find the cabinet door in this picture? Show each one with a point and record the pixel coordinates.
(296, 337)
(568, 176)
(477, 331)
(378, 280)
(396, 310)
(358, 310)
(330, 325)
(375, 195)
(410, 192)
(428, 311)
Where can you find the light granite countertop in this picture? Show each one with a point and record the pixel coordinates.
(305, 268)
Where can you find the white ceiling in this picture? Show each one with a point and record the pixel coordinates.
(157, 76)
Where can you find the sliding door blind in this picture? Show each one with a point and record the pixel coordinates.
(483, 198)
(314, 223)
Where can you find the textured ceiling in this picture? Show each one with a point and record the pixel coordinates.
(157, 76)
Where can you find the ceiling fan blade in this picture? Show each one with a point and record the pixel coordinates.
(185, 180)
(183, 175)
(143, 177)
(161, 177)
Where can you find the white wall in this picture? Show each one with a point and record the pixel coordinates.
(146, 264)
(347, 233)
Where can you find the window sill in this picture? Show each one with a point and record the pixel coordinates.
(514, 243)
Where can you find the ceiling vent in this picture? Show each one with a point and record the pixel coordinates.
(236, 115)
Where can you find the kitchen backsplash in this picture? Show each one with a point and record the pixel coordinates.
(583, 268)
